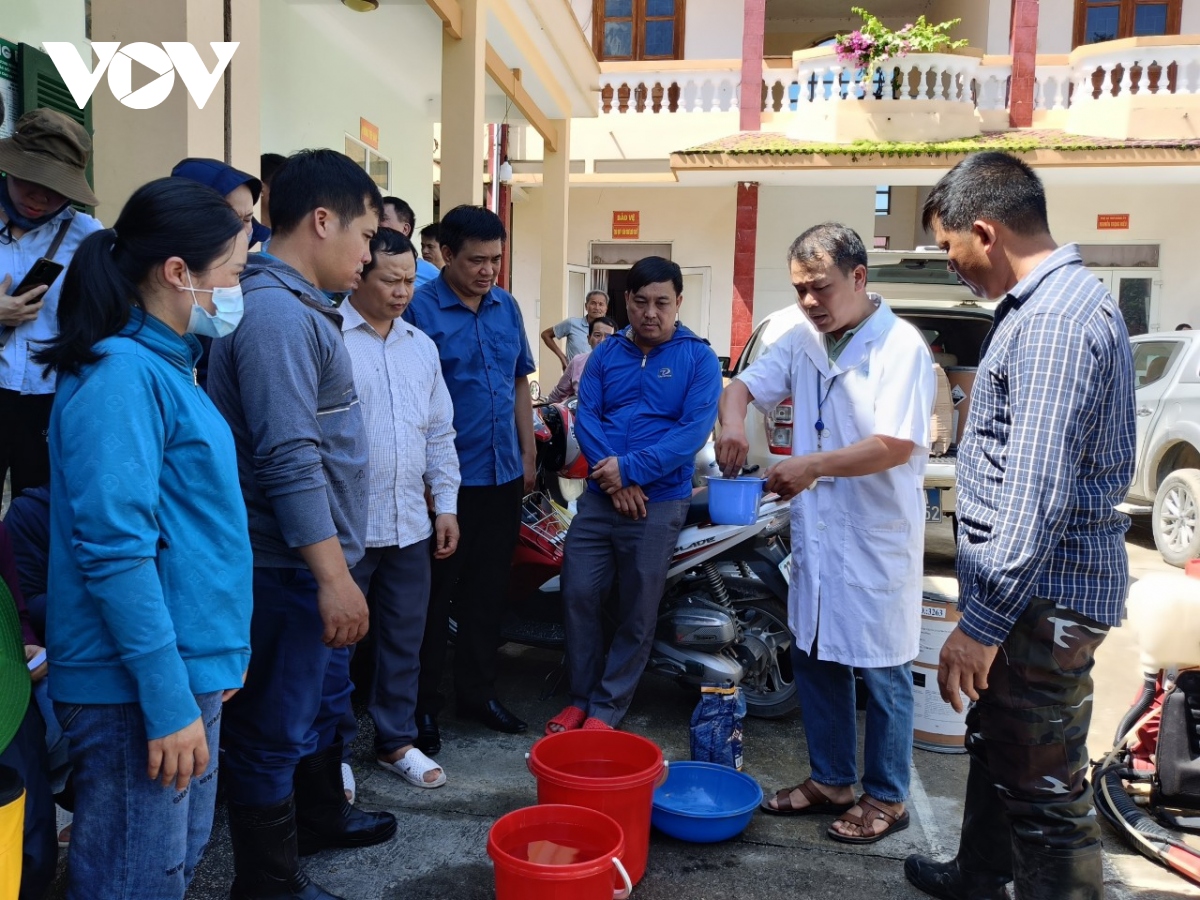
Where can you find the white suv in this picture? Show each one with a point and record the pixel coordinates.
(920, 288)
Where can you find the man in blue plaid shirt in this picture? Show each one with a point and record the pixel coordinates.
(1048, 453)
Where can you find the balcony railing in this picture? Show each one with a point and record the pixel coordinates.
(1140, 87)
(670, 86)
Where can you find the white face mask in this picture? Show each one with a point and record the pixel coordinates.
(229, 305)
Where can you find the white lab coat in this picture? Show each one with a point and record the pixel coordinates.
(857, 543)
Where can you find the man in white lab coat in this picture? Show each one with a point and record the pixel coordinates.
(862, 387)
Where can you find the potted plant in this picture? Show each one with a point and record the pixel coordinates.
(872, 44)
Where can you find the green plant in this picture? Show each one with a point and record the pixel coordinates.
(872, 44)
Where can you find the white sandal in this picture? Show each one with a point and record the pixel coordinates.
(348, 784)
(413, 766)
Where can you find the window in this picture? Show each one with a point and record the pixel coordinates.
(378, 167)
(638, 29)
(1152, 359)
(1109, 20)
(882, 241)
(883, 200)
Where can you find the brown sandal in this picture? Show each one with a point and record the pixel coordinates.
(872, 813)
(818, 803)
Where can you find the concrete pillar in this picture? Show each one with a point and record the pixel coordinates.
(1024, 61)
(244, 115)
(750, 101)
(556, 186)
(745, 255)
(133, 146)
(463, 76)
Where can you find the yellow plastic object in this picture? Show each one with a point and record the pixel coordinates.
(12, 828)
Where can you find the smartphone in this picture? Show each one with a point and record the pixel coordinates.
(44, 271)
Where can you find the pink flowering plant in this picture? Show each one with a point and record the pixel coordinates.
(872, 44)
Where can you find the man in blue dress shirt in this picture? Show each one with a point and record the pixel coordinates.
(486, 361)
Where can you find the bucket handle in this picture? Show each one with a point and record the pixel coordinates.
(622, 893)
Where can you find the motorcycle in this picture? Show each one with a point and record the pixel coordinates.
(723, 614)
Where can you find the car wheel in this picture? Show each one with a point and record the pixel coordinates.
(1176, 521)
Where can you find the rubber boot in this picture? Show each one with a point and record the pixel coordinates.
(947, 881)
(266, 861)
(323, 816)
(1040, 873)
(983, 865)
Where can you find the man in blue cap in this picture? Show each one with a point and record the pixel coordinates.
(240, 190)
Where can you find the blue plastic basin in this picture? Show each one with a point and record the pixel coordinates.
(734, 501)
(704, 802)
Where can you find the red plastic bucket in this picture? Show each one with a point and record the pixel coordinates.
(558, 853)
(613, 772)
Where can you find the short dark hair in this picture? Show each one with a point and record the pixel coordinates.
(391, 242)
(312, 179)
(652, 270)
(1183, 326)
(839, 242)
(165, 218)
(404, 212)
(430, 232)
(268, 165)
(603, 320)
(470, 223)
(988, 185)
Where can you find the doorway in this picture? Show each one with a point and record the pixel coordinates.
(1136, 292)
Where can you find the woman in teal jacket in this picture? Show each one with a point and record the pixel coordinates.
(148, 622)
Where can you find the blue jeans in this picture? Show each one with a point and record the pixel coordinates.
(296, 691)
(132, 838)
(830, 719)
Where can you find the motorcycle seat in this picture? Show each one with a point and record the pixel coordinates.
(698, 511)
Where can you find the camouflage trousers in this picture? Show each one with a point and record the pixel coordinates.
(1027, 738)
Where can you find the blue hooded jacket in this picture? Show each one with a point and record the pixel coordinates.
(150, 562)
(653, 411)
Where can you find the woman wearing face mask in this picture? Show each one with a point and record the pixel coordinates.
(148, 630)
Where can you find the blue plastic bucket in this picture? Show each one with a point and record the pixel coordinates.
(734, 501)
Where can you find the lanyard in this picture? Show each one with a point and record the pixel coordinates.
(819, 425)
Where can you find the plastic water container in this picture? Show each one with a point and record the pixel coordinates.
(1164, 610)
(613, 772)
(558, 853)
(734, 501)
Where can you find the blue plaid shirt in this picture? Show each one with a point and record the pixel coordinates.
(1048, 453)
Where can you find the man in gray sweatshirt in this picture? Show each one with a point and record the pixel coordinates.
(285, 384)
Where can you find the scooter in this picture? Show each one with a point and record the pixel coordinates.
(723, 614)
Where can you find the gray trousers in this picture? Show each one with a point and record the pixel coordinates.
(395, 581)
(601, 546)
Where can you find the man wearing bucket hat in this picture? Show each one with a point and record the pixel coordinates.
(862, 384)
(44, 167)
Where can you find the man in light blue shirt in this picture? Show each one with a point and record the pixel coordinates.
(44, 165)
(399, 216)
(575, 329)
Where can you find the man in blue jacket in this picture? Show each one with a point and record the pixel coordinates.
(647, 403)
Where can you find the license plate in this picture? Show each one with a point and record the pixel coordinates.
(785, 569)
(933, 505)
